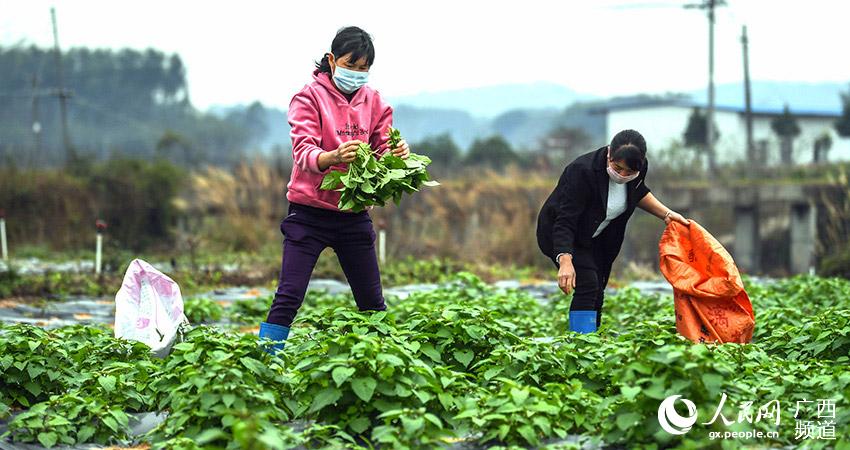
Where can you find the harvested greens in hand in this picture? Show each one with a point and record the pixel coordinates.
(370, 181)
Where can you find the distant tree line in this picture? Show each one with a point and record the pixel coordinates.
(493, 152)
(126, 101)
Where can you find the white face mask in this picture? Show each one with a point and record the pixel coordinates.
(616, 177)
(348, 80)
(619, 179)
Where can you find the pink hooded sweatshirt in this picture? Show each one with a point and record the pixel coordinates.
(321, 119)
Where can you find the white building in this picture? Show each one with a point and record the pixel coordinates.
(663, 124)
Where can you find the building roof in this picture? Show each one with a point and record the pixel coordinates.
(646, 103)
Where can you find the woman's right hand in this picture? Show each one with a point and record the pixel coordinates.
(344, 154)
(566, 274)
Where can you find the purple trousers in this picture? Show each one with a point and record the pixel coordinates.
(307, 232)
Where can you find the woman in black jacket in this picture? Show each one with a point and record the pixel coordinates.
(582, 224)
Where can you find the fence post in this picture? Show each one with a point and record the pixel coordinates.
(100, 225)
(3, 244)
(382, 242)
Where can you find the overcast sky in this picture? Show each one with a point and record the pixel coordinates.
(237, 52)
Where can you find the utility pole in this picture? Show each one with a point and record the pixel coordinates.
(709, 6)
(36, 124)
(751, 156)
(63, 95)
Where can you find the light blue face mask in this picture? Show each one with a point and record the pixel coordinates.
(348, 80)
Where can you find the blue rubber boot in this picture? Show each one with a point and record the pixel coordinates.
(583, 321)
(275, 333)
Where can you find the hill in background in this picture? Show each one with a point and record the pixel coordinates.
(524, 113)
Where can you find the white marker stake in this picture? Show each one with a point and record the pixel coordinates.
(97, 253)
(3, 240)
(382, 246)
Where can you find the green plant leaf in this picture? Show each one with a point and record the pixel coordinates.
(463, 356)
(107, 382)
(364, 387)
(630, 392)
(85, 433)
(341, 374)
(48, 439)
(527, 432)
(324, 398)
(627, 420)
(713, 382)
(34, 371)
(412, 424)
(273, 439)
(359, 425)
(210, 435)
(519, 396)
(111, 423)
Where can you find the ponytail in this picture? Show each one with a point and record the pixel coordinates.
(324, 65)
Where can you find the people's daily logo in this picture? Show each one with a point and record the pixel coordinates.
(815, 419)
(671, 421)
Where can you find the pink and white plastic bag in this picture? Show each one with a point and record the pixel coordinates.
(149, 308)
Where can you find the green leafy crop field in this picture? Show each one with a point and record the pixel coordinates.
(464, 366)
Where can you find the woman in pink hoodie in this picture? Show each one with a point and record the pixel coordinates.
(330, 117)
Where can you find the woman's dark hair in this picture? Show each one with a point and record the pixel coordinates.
(349, 40)
(630, 147)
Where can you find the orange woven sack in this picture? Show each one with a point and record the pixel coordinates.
(711, 304)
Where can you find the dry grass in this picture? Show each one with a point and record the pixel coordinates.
(491, 218)
(477, 216)
(235, 210)
(836, 202)
(46, 207)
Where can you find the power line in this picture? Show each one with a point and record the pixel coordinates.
(138, 123)
(643, 5)
(53, 92)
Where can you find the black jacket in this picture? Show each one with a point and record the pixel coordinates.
(578, 205)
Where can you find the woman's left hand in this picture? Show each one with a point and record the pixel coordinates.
(402, 150)
(673, 215)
